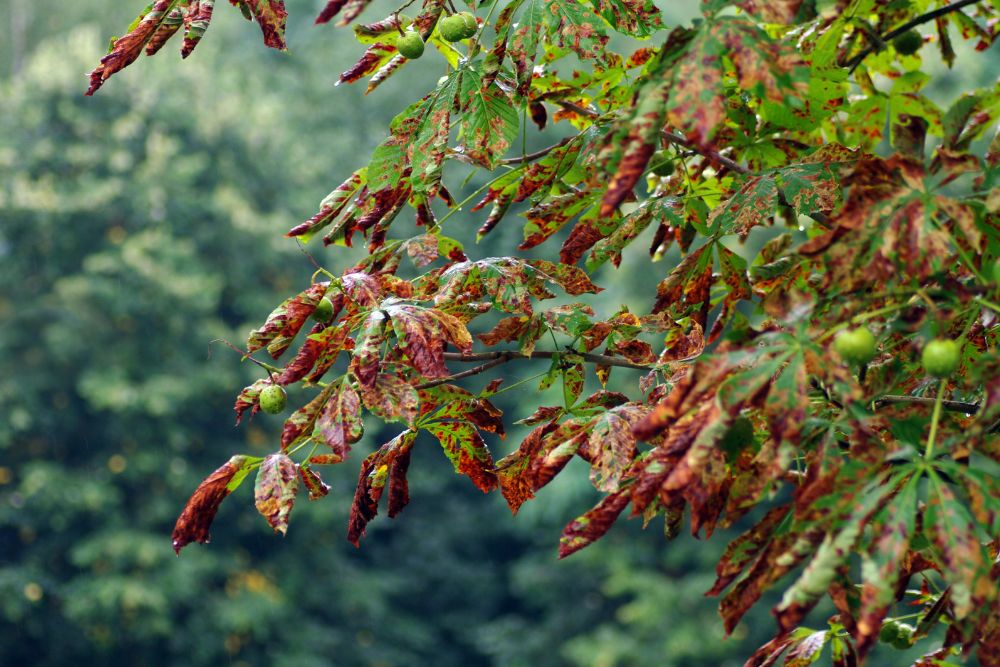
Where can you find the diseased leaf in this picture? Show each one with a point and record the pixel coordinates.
(583, 530)
(284, 322)
(126, 49)
(270, 16)
(194, 521)
(465, 448)
(379, 467)
(339, 424)
(275, 490)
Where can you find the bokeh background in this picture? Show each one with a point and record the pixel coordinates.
(139, 225)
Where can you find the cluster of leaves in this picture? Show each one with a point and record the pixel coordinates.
(798, 114)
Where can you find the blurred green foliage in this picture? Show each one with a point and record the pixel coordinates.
(137, 226)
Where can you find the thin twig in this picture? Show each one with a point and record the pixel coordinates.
(464, 374)
(953, 406)
(531, 157)
(712, 156)
(909, 25)
(246, 355)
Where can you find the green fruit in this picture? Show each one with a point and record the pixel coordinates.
(904, 636)
(469, 22)
(856, 346)
(452, 28)
(273, 399)
(661, 164)
(889, 633)
(940, 357)
(411, 45)
(324, 311)
(908, 43)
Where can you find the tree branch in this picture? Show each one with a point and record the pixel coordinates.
(954, 406)
(600, 359)
(712, 156)
(531, 157)
(503, 356)
(909, 25)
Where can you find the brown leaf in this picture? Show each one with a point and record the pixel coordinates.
(271, 16)
(314, 483)
(351, 8)
(376, 470)
(585, 529)
(199, 511)
(128, 48)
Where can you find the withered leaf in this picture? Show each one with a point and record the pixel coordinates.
(275, 490)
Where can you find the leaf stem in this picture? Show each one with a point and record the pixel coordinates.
(603, 359)
(952, 406)
(479, 191)
(986, 302)
(935, 418)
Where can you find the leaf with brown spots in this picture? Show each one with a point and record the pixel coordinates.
(126, 49)
(196, 22)
(467, 452)
(314, 484)
(585, 529)
(275, 490)
(351, 8)
(392, 398)
(284, 322)
(199, 511)
(339, 424)
(270, 16)
(378, 468)
(882, 564)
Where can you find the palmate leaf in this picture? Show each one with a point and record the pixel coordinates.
(509, 282)
(765, 68)
(892, 228)
(810, 186)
